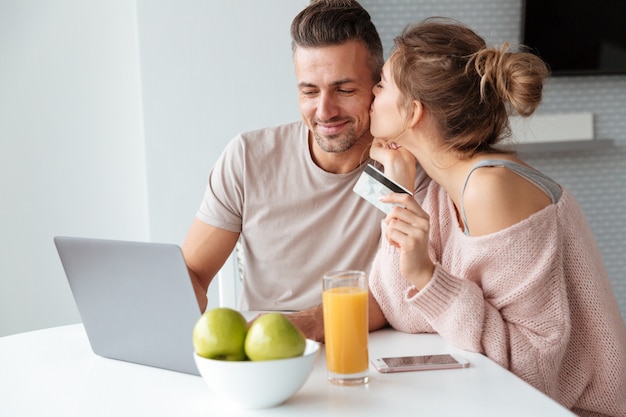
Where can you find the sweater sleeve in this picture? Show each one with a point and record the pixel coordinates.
(505, 297)
(534, 297)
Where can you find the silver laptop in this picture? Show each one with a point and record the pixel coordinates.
(135, 299)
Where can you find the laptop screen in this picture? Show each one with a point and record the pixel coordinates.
(135, 299)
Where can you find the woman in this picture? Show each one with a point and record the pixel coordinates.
(498, 258)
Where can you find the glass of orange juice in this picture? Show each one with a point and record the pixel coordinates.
(344, 302)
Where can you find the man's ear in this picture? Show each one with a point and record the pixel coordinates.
(417, 113)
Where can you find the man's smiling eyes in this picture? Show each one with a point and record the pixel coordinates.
(339, 90)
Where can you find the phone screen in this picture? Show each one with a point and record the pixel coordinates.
(403, 361)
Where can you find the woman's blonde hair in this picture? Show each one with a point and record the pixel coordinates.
(469, 89)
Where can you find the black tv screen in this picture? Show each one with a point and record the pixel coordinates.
(577, 37)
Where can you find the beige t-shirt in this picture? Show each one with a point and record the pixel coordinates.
(296, 220)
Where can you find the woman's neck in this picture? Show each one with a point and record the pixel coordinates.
(445, 167)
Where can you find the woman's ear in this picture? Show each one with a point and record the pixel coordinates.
(417, 113)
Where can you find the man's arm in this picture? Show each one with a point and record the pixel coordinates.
(205, 249)
(311, 320)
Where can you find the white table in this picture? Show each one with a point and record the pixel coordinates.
(53, 372)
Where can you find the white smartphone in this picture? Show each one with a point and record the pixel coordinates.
(419, 363)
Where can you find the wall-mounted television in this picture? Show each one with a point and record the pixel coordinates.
(577, 37)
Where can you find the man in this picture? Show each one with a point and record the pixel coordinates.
(286, 191)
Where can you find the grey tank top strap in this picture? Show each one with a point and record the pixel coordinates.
(545, 183)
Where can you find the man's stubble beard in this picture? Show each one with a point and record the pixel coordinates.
(336, 144)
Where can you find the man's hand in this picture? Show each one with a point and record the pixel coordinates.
(310, 321)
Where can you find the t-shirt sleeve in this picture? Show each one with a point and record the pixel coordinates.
(222, 204)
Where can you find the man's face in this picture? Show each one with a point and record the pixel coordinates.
(335, 93)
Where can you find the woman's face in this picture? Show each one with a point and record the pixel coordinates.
(387, 118)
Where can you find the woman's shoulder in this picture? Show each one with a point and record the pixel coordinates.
(495, 198)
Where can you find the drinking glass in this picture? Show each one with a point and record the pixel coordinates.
(346, 326)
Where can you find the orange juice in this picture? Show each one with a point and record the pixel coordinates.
(346, 329)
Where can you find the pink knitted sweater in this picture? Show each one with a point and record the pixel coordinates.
(535, 298)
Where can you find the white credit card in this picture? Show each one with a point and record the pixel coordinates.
(372, 184)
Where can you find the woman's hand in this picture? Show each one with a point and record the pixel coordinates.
(408, 228)
(399, 164)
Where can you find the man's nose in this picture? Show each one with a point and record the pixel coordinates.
(327, 107)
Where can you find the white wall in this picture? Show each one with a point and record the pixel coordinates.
(105, 136)
(72, 151)
(210, 69)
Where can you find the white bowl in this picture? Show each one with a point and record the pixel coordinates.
(258, 384)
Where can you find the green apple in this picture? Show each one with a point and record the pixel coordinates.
(220, 333)
(273, 336)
